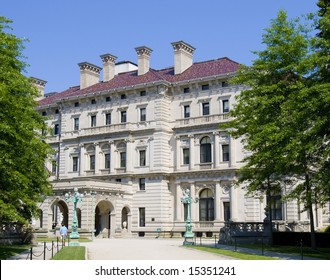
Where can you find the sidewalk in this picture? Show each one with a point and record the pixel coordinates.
(147, 249)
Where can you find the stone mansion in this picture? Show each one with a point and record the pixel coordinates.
(134, 141)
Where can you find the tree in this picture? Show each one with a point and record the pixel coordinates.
(23, 151)
(274, 116)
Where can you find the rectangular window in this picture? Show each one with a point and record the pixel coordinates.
(76, 123)
(123, 116)
(142, 184)
(76, 104)
(205, 87)
(225, 152)
(142, 217)
(74, 164)
(107, 118)
(186, 90)
(93, 101)
(93, 121)
(142, 157)
(123, 159)
(226, 211)
(143, 93)
(225, 106)
(143, 114)
(106, 161)
(206, 108)
(123, 96)
(186, 111)
(108, 99)
(186, 155)
(56, 129)
(92, 162)
(54, 166)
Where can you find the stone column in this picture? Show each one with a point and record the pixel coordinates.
(216, 149)
(178, 153)
(233, 204)
(194, 206)
(191, 151)
(112, 157)
(217, 202)
(82, 157)
(97, 158)
(232, 156)
(129, 155)
(178, 204)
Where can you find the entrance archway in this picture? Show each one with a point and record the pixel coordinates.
(60, 213)
(103, 221)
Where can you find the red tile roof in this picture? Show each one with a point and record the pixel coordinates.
(196, 71)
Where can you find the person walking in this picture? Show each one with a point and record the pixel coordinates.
(63, 233)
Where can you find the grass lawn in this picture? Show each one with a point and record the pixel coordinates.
(50, 239)
(320, 253)
(7, 251)
(233, 254)
(71, 253)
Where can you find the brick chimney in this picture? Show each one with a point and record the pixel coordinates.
(143, 59)
(40, 85)
(183, 56)
(89, 74)
(109, 64)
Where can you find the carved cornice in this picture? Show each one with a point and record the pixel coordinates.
(90, 67)
(108, 58)
(181, 45)
(143, 51)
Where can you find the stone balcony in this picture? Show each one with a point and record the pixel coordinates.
(210, 119)
(106, 129)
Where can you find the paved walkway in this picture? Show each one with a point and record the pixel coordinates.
(146, 249)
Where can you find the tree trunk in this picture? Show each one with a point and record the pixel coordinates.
(310, 209)
(269, 206)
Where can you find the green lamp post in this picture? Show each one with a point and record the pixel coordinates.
(188, 235)
(75, 198)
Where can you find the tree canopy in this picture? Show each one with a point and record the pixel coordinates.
(282, 116)
(23, 151)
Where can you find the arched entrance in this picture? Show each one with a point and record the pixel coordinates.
(60, 213)
(103, 221)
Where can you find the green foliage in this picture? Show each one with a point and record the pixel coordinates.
(283, 116)
(23, 151)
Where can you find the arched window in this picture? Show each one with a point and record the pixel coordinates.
(206, 205)
(205, 149)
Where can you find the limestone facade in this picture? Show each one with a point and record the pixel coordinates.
(132, 145)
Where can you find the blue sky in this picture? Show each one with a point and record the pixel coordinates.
(63, 33)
